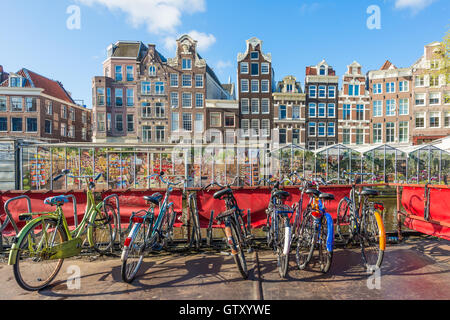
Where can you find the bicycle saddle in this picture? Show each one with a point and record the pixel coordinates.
(56, 201)
(281, 194)
(221, 193)
(368, 192)
(326, 196)
(313, 192)
(154, 198)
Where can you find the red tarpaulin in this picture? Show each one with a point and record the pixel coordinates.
(413, 202)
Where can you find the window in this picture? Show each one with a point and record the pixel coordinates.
(63, 130)
(48, 126)
(264, 68)
(403, 107)
(187, 64)
(403, 86)
(64, 112)
(390, 128)
(174, 80)
(331, 92)
(390, 87)
(174, 99)
(108, 122)
(264, 85)
(312, 129)
(265, 127)
(265, 103)
(83, 134)
(186, 80)
(255, 127)
(350, 90)
(119, 73)
(359, 136)
(296, 136)
(4, 124)
(130, 122)
(255, 106)
(101, 122)
(403, 131)
(378, 108)
(420, 99)
(130, 97)
(321, 129)
(312, 91)
(152, 71)
(346, 112)
(119, 122)
(119, 97)
(322, 92)
(255, 85)
(100, 96)
(321, 110)
(420, 120)
(282, 113)
(175, 121)
(16, 82)
(289, 88)
(245, 126)
(245, 106)
(254, 55)
(434, 64)
(160, 133)
(322, 71)
(282, 136)
(377, 88)
(130, 75)
(419, 81)
(71, 132)
(434, 119)
(434, 97)
(16, 124)
(30, 104)
(311, 145)
(229, 120)
(108, 96)
(244, 67)
(146, 134)
(353, 90)
(390, 107)
(360, 112)
(159, 110)
(145, 88)
(447, 119)
(72, 114)
(199, 81)
(199, 100)
(146, 110)
(214, 119)
(159, 88)
(434, 81)
(187, 121)
(312, 110)
(244, 85)
(346, 136)
(16, 104)
(331, 110)
(295, 112)
(186, 100)
(255, 69)
(377, 132)
(2, 104)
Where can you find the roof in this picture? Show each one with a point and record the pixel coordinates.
(334, 147)
(387, 64)
(368, 148)
(128, 49)
(51, 87)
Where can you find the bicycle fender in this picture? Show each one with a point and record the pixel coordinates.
(15, 247)
(330, 235)
(381, 231)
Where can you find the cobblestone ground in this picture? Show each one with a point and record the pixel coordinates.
(416, 269)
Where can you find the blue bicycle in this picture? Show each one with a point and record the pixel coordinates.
(146, 232)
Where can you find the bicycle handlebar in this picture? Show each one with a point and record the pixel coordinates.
(168, 183)
(221, 186)
(66, 172)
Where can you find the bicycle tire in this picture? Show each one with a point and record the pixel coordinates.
(196, 231)
(239, 257)
(283, 259)
(305, 241)
(370, 239)
(24, 243)
(167, 227)
(325, 256)
(344, 211)
(136, 250)
(101, 230)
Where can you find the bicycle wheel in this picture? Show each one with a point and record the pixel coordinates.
(195, 231)
(167, 227)
(237, 247)
(343, 219)
(33, 270)
(325, 254)
(305, 241)
(102, 229)
(284, 232)
(269, 231)
(372, 237)
(133, 255)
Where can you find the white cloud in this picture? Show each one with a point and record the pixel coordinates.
(223, 65)
(414, 5)
(204, 41)
(158, 15)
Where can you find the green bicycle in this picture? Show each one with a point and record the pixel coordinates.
(38, 251)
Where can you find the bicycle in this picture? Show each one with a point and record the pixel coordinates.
(236, 232)
(146, 232)
(363, 222)
(315, 227)
(40, 248)
(278, 226)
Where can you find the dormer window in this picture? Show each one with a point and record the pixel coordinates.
(187, 64)
(152, 71)
(254, 55)
(322, 71)
(17, 82)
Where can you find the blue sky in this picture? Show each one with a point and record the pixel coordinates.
(298, 33)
